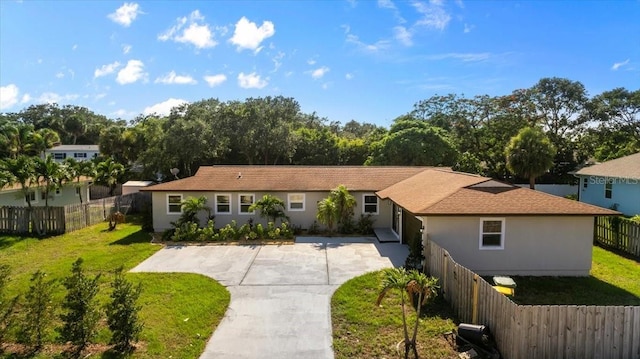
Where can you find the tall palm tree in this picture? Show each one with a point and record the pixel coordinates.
(271, 207)
(327, 212)
(43, 139)
(419, 288)
(76, 170)
(19, 139)
(50, 174)
(530, 154)
(108, 173)
(21, 170)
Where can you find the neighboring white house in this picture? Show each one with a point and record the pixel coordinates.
(69, 193)
(612, 184)
(77, 152)
(488, 226)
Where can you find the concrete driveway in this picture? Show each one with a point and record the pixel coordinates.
(280, 294)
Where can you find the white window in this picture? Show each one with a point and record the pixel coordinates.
(585, 182)
(174, 203)
(296, 201)
(244, 202)
(223, 204)
(369, 204)
(491, 233)
(80, 155)
(78, 189)
(59, 156)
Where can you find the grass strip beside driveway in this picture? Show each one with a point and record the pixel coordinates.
(179, 311)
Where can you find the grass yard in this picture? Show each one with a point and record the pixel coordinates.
(614, 280)
(363, 330)
(179, 311)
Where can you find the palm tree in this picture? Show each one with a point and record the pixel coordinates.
(21, 170)
(19, 139)
(530, 154)
(44, 139)
(49, 173)
(415, 284)
(271, 207)
(76, 170)
(108, 173)
(345, 203)
(327, 212)
(190, 208)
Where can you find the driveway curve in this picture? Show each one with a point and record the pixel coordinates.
(280, 294)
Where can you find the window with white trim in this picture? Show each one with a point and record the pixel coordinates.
(223, 203)
(59, 156)
(585, 182)
(296, 201)
(608, 188)
(174, 204)
(369, 204)
(491, 233)
(245, 201)
(80, 155)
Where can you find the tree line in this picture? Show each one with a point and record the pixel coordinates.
(469, 134)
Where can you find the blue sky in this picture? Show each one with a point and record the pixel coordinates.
(370, 61)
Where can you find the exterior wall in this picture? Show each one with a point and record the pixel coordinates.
(537, 246)
(66, 196)
(625, 193)
(89, 154)
(162, 220)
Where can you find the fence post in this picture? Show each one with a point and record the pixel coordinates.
(444, 274)
(474, 305)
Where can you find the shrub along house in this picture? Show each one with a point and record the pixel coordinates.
(488, 226)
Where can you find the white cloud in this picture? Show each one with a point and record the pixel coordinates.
(8, 96)
(125, 14)
(464, 57)
(248, 35)
(468, 28)
(126, 48)
(25, 98)
(60, 75)
(52, 97)
(403, 35)
(311, 62)
(277, 61)
(106, 69)
(251, 80)
(618, 65)
(348, 76)
(375, 47)
(164, 108)
(433, 14)
(386, 4)
(319, 72)
(132, 72)
(215, 80)
(197, 32)
(172, 78)
(74, 47)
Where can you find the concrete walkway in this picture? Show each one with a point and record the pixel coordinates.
(280, 295)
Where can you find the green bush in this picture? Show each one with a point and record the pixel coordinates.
(6, 305)
(635, 218)
(365, 224)
(81, 315)
(122, 313)
(38, 311)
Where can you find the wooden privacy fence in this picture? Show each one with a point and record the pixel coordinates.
(536, 331)
(618, 233)
(58, 220)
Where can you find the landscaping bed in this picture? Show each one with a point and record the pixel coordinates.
(179, 311)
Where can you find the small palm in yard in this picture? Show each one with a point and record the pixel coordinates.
(419, 288)
(271, 207)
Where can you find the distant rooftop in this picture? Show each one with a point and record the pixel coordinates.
(69, 148)
(623, 167)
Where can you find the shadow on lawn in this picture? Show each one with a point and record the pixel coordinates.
(139, 236)
(570, 291)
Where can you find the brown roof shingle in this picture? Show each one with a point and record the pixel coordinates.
(289, 178)
(623, 167)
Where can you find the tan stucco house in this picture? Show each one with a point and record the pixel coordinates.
(69, 193)
(489, 226)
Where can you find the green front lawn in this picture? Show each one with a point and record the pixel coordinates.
(179, 311)
(614, 280)
(363, 330)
